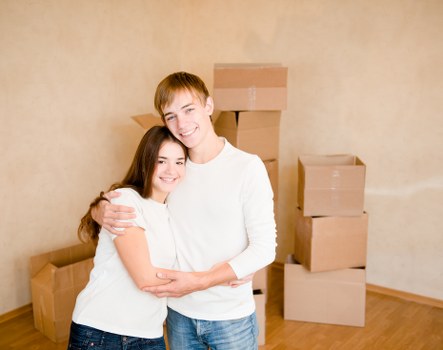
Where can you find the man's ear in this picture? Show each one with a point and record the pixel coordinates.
(209, 105)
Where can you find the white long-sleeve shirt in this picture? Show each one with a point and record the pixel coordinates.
(223, 211)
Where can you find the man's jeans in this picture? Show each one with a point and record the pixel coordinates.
(85, 338)
(189, 333)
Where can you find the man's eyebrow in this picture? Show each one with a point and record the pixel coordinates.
(183, 107)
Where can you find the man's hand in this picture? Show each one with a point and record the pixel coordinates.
(108, 215)
(236, 283)
(182, 283)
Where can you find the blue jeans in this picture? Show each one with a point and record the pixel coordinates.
(190, 333)
(85, 338)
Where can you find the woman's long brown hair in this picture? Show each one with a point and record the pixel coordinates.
(138, 177)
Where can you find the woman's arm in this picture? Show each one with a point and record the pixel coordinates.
(133, 250)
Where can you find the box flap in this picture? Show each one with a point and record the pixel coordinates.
(147, 121)
(61, 257)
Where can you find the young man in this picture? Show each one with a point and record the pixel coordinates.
(223, 221)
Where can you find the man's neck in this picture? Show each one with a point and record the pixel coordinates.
(208, 150)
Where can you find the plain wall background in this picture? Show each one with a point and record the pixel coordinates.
(365, 77)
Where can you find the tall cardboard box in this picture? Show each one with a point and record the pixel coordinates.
(56, 279)
(333, 297)
(260, 309)
(250, 87)
(331, 185)
(327, 243)
(253, 132)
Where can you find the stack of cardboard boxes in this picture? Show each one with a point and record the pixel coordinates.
(325, 279)
(250, 98)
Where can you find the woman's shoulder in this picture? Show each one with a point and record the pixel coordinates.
(127, 196)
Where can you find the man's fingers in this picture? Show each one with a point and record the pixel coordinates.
(123, 209)
(118, 216)
(163, 276)
(112, 194)
(114, 231)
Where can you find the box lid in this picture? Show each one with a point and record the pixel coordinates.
(233, 75)
(248, 120)
(331, 171)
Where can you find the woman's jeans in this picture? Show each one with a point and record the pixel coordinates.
(189, 333)
(85, 338)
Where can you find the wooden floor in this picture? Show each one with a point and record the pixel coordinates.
(391, 323)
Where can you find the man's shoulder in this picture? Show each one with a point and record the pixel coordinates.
(239, 153)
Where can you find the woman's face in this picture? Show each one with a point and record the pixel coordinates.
(169, 171)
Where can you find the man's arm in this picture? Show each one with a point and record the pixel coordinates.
(182, 283)
(109, 215)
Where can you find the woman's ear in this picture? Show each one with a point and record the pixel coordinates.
(209, 105)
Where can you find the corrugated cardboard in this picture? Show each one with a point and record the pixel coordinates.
(272, 169)
(330, 242)
(252, 132)
(250, 87)
(333, 297)
(331, 185)
(260, 309)
(56, 279)
(147, 121)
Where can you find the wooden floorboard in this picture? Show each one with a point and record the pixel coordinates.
(391, 323)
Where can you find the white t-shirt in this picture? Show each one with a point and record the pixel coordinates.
(223, 211)
(111, 300)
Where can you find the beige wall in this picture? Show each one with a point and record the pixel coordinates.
(365, 77)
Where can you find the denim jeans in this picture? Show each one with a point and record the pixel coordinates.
(85, 338)
(189, 333)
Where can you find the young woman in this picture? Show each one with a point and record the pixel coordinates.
(113, 312)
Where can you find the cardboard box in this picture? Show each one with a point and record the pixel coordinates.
(260, 280)
(250, 87)
(56, 279)
(272, 169)
(147, 121)
(330, 242)
(333, 297)
(252, 132)
(331, 185)
(260, 309)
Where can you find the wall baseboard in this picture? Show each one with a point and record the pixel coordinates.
(416, 298)
(420, 299)
(15, 313)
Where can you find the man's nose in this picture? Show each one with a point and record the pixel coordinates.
(181, 121)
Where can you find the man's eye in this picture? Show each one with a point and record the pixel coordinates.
(170, 117)
(189, 110)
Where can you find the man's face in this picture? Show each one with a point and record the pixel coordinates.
(187, 119)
